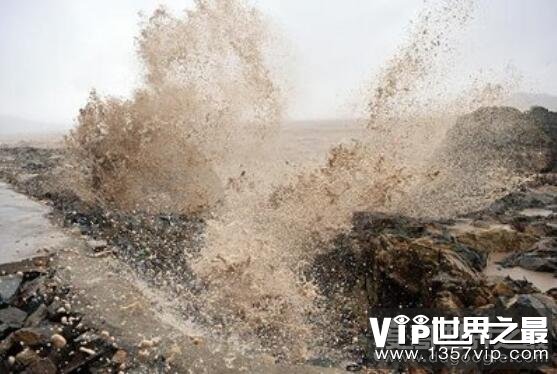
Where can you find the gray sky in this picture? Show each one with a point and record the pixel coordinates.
(54, 51)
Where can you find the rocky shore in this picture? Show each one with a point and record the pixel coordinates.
(389, 261)
(473, 261)
(40, 332)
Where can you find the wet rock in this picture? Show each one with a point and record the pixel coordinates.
(33, 293)
(508, 287)
(4, 330)
(42, 334)
(527, 198)
(89, 351)
(552, 293)
(57, 310)
(399, 262)
(37, 316)
(494, 238)
(535, 302)
(473, 258)
(31, 336)
(447, 301)
(42, 366)
(388, 249)
(379, 223)
(535, 262)
(58, 341)
(87, 337)
(537, 305)
(12, 317)
(27, 357)
(542, 258)
(6, 344)
(9, 284)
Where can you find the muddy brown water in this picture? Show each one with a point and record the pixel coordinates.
(543, 281)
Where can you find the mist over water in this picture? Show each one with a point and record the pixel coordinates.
(195, 136)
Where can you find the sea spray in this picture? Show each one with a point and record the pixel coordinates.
(257, 251)
(207, 91)
(179, 144)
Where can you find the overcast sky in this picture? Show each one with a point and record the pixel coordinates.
(54, 51)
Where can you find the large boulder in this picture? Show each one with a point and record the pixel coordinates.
(413, 263)
(398, 261)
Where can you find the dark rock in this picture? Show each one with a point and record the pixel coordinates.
(9, 284)
(42, 366)
(5, 330)
(537, 305)
(6, 344)
(520, 200)
(57, 309)
(37, 316)
(87, 337)
(375, 223)
(535, 302)
(12, 317)
(80, 360)
(32, 336)
(27, 357)
(552, 293)
(387, 250)
(33, 293)
(533, 261)
(543, 257)
(509, 287)
(474, 259)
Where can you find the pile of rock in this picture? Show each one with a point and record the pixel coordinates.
(153, 243)
(413, 263)
(39, 332)
(391, 261)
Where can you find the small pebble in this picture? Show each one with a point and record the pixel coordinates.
(90, 352)
(58, 341)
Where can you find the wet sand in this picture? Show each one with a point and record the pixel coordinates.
(25, 232)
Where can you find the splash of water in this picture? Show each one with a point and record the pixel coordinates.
(176, 145)
(207, 92)
(256, 253)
